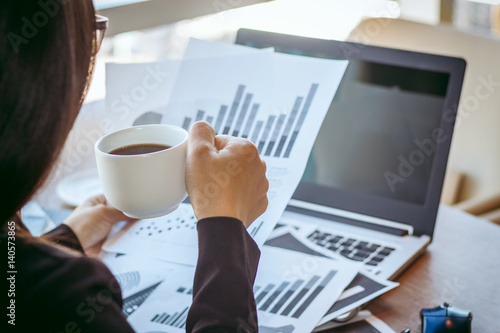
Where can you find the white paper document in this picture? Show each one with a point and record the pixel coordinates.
(172, 237)
(364, 322)
(291, 294)
(137, 93)
(166, 309)
(138, 277)
(278, 101)
(362, 289)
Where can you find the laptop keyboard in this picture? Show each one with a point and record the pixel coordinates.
(364, 251)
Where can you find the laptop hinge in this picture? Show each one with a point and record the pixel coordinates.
(355, 219)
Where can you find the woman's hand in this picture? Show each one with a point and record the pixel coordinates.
(225, 176)
(92, 221)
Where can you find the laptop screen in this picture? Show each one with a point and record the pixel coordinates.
(383, 146)
(378, 137)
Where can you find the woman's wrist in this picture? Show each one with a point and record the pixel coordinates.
(218, 211)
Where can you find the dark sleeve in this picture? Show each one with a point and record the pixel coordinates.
(63, 235)
(71, 295)
(223, 299)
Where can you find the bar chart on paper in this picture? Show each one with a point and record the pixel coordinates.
(292, 293)
(277, 101)
(290, 298)
(166, 310)
(274, 135)
(177, 319)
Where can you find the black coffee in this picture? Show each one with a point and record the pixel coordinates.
(143, 148)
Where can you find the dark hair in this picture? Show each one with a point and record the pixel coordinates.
(46, 57)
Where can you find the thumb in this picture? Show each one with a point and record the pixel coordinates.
(201, 134)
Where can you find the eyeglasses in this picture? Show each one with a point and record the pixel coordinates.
(101, 24)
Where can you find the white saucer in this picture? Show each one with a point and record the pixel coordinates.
(79, 186)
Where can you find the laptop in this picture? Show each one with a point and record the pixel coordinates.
(373, 181)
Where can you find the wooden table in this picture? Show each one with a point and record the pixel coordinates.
(461, 267)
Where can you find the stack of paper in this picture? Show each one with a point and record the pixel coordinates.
(277, 101)
(363, 288)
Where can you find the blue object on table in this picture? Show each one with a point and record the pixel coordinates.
(446, 319)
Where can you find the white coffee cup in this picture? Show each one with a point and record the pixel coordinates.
(146, 185)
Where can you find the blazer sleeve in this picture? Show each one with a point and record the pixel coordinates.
(63, 235)
(69, 294)
(223, 299)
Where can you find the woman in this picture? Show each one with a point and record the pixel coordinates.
(46, 55)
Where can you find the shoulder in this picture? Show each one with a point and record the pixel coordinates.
(58, 286)
(41, 263)
(45, 268)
